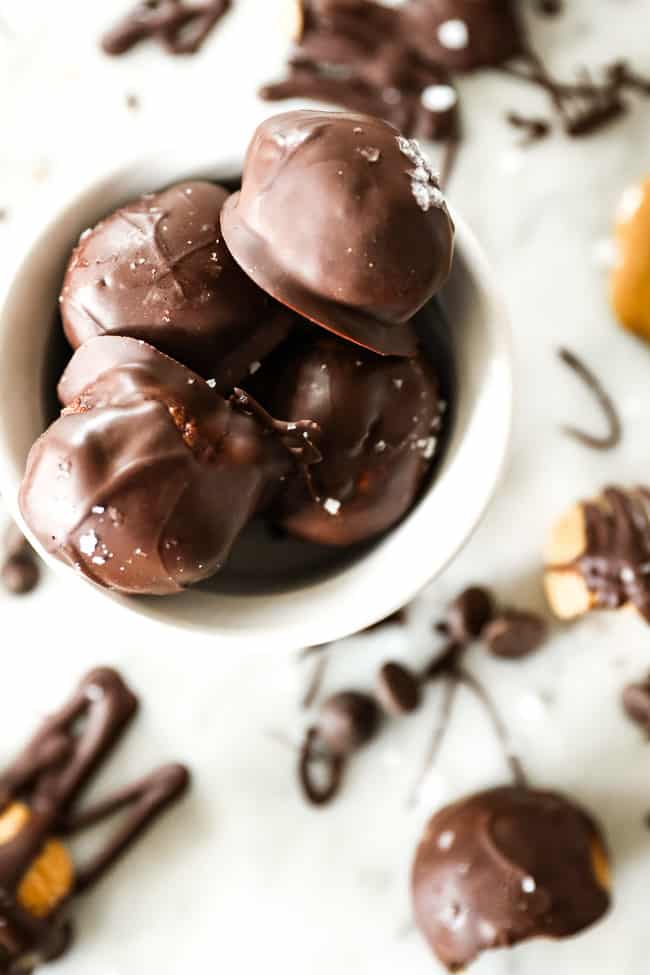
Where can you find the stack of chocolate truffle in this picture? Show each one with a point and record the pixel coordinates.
(302, 288)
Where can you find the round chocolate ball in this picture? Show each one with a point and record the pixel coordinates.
(379, 419)
(148, 477)
(464, 35)
(342, 219)
(158, 269)
(504, 866)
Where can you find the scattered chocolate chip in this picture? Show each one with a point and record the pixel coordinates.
(469, 613)
(636, 703)
(348, 721)
(398, 689)
(514, 634)
(20, 574)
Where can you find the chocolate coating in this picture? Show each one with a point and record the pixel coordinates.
(378, 419)
(158, 269)
(464, 35)
(504, 866)
(149, 476)
(347, 721)
(513, 634)
(342, 219)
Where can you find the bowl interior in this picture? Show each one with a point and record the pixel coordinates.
(343, 591)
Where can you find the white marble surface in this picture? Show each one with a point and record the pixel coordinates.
(244, 877)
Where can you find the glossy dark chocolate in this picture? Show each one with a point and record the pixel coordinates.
(158, 269)
(504, 866)
(43, 785)
(357, 54)
(342, 219)
(379, 419)
(149, 475)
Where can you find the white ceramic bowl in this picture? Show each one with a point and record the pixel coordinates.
(391, 572)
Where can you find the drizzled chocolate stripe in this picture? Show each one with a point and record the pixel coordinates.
(48, 777)
(145, 799)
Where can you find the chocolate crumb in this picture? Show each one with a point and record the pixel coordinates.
(132, 102)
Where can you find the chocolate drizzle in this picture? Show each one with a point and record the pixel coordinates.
(48, 778)
(180, 27)
(615, 429)
(347, 720)
(401, 63)
(616, 562)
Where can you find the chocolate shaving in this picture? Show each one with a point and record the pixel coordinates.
(316, 682)
(319, 794)
(533, 129)
(614, 435)
(181, 28)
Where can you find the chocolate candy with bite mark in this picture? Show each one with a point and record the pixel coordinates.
(149, 476)
(379, 426)
(342, 219)
(514, 634)
(468, 614)
(464, 35)
(504, 866)
(398, 689)
(347, 721)
(158, 269)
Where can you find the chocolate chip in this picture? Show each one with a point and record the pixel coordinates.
(514, 634)
(469, 613)
(636, 703)
(347, 721)
(398, 689)
(19, 574)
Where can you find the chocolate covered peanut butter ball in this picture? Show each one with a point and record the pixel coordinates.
(379, 419)
(506, 865)
(158, 269)
(342, 219)
(148, 477)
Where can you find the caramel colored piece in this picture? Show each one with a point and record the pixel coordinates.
(630, 277)
(600, 864)
(566, 590)
(49, 879)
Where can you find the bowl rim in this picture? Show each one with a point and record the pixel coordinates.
(332, 624)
